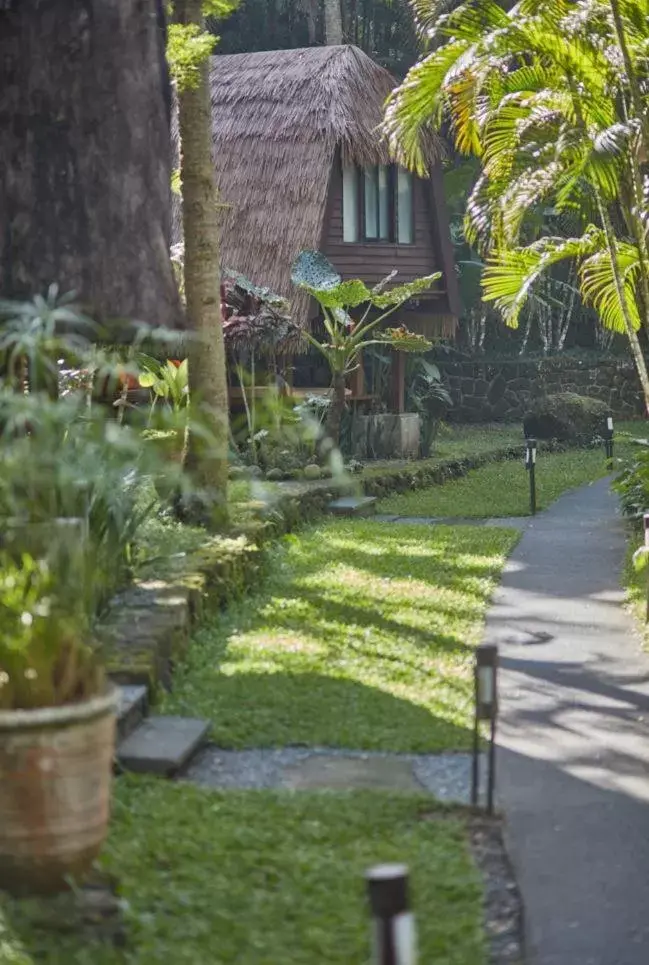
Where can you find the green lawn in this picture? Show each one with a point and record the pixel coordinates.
(502, 489)
(457, 442)
(259, 878)
(361, 637)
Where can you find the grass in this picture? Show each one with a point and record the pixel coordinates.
(361, 637)
(262, 878)
(457, 442)
(502, 489)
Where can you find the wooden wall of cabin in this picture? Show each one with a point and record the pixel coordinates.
(431, 250)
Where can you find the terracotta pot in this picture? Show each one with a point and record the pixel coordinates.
(56, 768)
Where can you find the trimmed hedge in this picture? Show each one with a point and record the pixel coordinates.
(568, 417)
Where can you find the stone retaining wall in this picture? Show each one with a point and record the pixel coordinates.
(502, 391)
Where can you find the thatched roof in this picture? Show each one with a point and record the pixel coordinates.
(278, 119)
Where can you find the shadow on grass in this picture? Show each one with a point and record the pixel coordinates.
(346, 614)
(251, 709)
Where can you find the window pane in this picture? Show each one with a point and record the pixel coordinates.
(384, 203)
(371, 198)
(405, 226)
(350, 204)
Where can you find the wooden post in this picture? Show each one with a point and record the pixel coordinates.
(398, 389)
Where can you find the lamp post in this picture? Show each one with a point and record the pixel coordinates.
(530, 465)
(608, 438)
(486, 708)
(393, 922)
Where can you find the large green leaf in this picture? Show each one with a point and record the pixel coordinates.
(348, 294)
(401, 293)
(312, 270)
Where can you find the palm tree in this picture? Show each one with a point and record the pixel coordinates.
(538, 94)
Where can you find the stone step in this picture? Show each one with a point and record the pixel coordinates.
(162, 745)
(353, 506)
(133, 708)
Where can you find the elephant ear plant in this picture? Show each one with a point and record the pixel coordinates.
(347, 336)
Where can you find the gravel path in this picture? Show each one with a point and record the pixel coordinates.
(447, 776)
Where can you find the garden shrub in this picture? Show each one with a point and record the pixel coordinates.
(632, 484)
(567, 417)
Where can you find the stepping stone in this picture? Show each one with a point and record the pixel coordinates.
(322, 771)
(353, 506)
(162, 745)
(133, 705)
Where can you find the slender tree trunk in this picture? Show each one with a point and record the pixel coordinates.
(634, 341)
(207, 464)
(333, 22)
(637, 231)
(639, 107)
(85, 157)
(334, 418)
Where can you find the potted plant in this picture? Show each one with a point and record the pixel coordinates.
(57, 712)
(73, 492)
(74, 489)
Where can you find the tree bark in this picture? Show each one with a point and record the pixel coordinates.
(207, 464)
(333, 22)
(85, 156)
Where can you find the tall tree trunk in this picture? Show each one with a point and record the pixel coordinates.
(206, 354)
(333, 22)
(85, 156)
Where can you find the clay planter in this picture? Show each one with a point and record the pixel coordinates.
(55, 777)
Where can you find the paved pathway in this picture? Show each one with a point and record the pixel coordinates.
(573, 753)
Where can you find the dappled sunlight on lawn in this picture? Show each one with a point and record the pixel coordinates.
(357, 623)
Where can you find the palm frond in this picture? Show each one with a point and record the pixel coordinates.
(510, 274)
(599, 288)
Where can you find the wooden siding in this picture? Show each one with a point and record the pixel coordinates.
(373, 261)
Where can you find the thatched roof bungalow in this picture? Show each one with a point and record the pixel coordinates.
(299, 164)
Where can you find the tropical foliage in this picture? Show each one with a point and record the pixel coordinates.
(346, 336)
(73, 497)
(549, 96)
